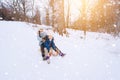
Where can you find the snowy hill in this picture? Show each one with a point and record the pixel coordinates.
(95, 58)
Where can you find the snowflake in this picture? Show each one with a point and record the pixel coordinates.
(85, 65)
(113, 45)
(77, 73)
(75, 46)
(15, 39)
(14, 65)
(1, 18)
(111, 62)
(107, 66)
(65, 74)
(36, 66)
(13, 18)
(6, 73)
(14, 12)
(115, 25)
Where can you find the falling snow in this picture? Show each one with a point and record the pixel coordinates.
(95, 58)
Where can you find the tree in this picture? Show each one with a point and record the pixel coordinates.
(5, 11)
(37, 17)
(52, 5)
(116, 13)
(19, 9)
(68, 13)
(15, 9)
(33, 2)
(83, 16)
(106, 16)
(60, 17)
(47, 17)
(25, 7)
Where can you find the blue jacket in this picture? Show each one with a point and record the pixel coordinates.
(49, 44)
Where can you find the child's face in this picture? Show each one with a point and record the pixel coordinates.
(41, 30)
(50, 37)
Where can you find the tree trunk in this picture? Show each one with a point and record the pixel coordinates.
(84, 16)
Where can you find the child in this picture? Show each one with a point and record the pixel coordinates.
(47, 45)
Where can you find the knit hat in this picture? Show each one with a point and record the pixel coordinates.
(43, 34)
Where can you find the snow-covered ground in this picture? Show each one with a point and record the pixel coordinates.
(95, 58)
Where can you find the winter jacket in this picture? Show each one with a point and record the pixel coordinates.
(45, 42)
(49, 44)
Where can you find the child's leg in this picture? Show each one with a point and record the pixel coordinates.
(54, 47)
(59, 52)
(46, 57)
(42, 50)
(51, 52)
(45, 51)
(48, 53)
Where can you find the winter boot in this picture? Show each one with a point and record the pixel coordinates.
(46, 58)
(61, 54)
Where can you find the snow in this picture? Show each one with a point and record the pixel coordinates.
(95, 58)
